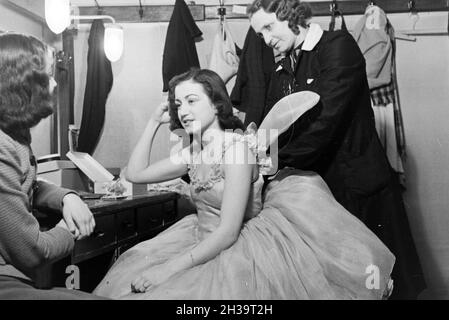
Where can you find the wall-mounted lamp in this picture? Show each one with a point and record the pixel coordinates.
(57, 15)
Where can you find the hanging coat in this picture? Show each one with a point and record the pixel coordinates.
(253, 76)
(375, 36)
(98, 85)
(180, 50)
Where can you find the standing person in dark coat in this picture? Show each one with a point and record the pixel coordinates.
(337, 138)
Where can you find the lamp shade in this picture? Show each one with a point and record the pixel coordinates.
(57, 14)
(113, 42)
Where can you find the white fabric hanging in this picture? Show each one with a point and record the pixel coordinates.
(384, 119)
(223, 58)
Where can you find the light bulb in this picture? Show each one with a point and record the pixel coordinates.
(113, 42)
(57, 14)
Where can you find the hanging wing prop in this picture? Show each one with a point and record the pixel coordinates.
(283, 114)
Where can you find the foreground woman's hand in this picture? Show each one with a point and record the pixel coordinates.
(153, 277)
(76, 214)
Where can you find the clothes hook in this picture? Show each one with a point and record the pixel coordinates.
(413, 13)
(411, 6)
(140, 10)
(221, 11)
(333, 6)
(99, 9)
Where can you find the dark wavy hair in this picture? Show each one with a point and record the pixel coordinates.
(215, 89)
(294, 11)
(25, 97)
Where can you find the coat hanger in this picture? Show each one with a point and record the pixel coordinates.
(414, 16)
(372, 22)
(335, 12)
(100, 10)
(221, 11)
(372, 13)
(140, 10)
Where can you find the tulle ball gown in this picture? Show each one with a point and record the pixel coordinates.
(296, 242)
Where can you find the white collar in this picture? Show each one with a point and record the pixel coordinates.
(313, 36)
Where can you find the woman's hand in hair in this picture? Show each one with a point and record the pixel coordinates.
(160, 115)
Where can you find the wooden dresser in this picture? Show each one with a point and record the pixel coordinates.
(120, 224)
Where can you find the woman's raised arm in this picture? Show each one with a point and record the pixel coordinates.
(139, 170)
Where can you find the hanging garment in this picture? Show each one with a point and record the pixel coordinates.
(180, 50)
(398, 122)
(224, 59)
(253, 76)
(384, 118)
(377, 49)
(98, 85)
(375, 37)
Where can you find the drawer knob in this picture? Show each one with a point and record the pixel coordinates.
(126, 224)
(98, 233)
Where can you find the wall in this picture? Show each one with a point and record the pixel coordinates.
(14, 19)
(423, 72)
(137, 87)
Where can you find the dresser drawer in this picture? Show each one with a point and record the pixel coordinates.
(102, 237)
(169, 209)
(149, 217)
(126, 225)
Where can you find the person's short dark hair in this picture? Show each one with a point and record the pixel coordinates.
(294, 11)
(25, 97)
(215, 89)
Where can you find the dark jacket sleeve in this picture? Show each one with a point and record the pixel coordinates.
(48, 197)
(22, 244)
(341, 75)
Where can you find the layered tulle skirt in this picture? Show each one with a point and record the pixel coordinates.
(302, 245)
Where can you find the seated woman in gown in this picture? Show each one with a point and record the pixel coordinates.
(292, 242)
